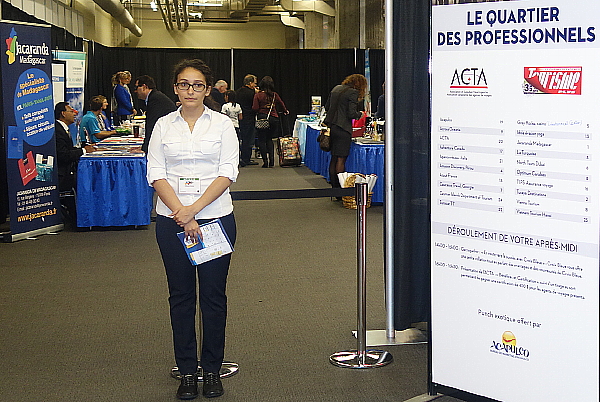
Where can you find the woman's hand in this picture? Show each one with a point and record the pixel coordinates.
(183, 215)
(192, 230)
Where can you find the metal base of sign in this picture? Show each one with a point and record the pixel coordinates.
(7, 237)
(228, 369)
(410, 336)
(424, 398)
(352, 359)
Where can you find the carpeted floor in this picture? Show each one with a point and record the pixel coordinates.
(84, 315)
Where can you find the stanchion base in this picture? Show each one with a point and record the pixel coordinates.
(424, 398)
(410, 336)
(350, 359)
(227, 370)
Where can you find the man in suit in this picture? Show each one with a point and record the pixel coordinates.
(157, 104)
(66, 154)
(245, 96)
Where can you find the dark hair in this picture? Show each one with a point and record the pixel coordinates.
(196, 64)
(59, 108)
(249, 79)
(96, 102)
(358, 82)
(230, 95)
(146, 80)
(267, 85)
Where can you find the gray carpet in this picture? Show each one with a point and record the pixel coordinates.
(84, 315)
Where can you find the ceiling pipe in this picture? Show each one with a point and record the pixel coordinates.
(186, 16)
(169, 15)
(120, 13)
(163, 15)
(292, 21)
(177, 9)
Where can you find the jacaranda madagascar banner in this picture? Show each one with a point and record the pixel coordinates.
(29, 127)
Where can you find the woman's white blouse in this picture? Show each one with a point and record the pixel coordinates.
(210, 151)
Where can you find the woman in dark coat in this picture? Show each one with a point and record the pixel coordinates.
(264, 101)
(342, 107)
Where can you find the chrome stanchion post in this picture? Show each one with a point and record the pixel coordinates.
(361, 357)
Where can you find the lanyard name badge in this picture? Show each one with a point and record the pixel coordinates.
(189, 185)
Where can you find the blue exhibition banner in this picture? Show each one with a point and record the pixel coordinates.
(29, 126)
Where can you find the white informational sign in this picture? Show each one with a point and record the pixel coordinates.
(58, 82)
(74, 82)
(515, 189)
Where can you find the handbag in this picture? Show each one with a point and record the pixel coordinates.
(263, 124)
(324, 139)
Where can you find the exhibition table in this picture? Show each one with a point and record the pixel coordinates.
(366, 158)
(300, 126)
(113, 191)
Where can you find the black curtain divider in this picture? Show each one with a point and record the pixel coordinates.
(377, 63)
(411, 139)
(104, 61)
(298, 73)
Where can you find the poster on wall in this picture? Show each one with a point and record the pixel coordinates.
(74, 83)
(515, 188)
(29, 126)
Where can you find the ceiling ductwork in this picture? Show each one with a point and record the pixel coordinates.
(120, 13)
(315, 6)
(292, 21)
(177, 14)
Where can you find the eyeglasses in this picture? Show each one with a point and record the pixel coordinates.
(184, 86)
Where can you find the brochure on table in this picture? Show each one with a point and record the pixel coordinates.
(515, 151)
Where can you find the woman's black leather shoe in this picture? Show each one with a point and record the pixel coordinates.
(188, 389)
(211, 385)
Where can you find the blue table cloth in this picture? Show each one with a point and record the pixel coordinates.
(363, 158)
(300, 127)
(113, 191)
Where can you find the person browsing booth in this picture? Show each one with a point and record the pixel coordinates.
(157, 104)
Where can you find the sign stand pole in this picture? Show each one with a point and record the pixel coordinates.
(361, 358)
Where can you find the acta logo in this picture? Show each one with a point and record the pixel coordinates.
(508, 346)
(469, 78)
(11, 46)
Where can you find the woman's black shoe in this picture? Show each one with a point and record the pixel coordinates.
(265, 165)
(188, 389)
(211, 385)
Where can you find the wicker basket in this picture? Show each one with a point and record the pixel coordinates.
(349, 201)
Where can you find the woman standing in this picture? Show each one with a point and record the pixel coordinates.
(265, 105)
(194, 144)
(233, 110)
(122, 95)
(342, 107)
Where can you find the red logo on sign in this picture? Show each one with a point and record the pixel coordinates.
(552, 80)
